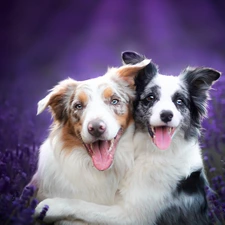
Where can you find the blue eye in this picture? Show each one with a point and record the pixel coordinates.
(114, 101)
(179, 102)
(78, 106)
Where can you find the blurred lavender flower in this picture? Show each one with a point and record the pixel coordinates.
(17, 165)
(43, 212)
(213, 143)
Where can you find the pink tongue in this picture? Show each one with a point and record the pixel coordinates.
(101, 158)
(162, 138)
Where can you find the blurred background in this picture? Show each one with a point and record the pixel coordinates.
(43, 42)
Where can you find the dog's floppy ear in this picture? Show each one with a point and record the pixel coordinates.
(132, 58)
(129, 72)
(199, 81)
(58, 99)
(129, 57)
(200, 77)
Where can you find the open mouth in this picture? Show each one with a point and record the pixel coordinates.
(161, 136)
(102, 151)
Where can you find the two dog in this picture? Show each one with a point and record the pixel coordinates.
(162, 179)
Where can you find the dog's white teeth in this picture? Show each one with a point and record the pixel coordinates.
(112, 141)
(111, 145)
(153, 129)
(169, 130)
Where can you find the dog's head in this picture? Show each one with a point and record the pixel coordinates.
(94, 112)
(166, 105)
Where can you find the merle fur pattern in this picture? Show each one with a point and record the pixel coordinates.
(195, 83)
(195, 214)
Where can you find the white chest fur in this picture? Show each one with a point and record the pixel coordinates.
(74, 176)
(156, 174)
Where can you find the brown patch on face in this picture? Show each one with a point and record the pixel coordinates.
(71, 136)
(107, 93)
(59, 97)
(70, 103)
(83, 98)
(57, 103)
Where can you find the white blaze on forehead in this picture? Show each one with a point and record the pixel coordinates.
(96, 108)
(167, 87)
(169, 84)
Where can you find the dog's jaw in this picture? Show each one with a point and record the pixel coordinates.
(102, 151)
(161, 135)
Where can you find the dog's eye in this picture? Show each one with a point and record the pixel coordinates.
(114, 101)
(78, 106)
(150, 98)
(179, 102)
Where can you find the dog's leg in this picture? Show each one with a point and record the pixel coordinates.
(73, 209)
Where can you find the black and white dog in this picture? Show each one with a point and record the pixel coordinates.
(166, 185)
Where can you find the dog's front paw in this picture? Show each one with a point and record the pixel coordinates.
(51, 210)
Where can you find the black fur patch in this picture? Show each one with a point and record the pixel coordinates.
(142, 112)
(198, 81)
(154, 92)
(132, 57)
(185, 109)
(143, 78)
(184, 216)
(193, 184)
(192, 213)
(184, 98)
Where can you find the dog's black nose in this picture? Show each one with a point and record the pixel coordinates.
(166, 116)
(96, 127)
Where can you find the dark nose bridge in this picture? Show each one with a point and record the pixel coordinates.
(96, 127)
(166, 116)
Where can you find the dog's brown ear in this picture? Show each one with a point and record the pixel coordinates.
(58, 99)
(129, 72)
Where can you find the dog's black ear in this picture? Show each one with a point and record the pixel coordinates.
(200, 77)
(145, 76)
(199, 81)
(129, 72)
(58, 99)
(129, 57)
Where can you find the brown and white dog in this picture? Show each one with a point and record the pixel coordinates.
(89, 148)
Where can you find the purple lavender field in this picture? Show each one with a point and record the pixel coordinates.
(43, 42)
